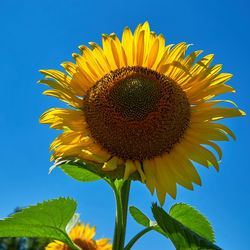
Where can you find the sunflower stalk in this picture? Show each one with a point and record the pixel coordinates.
(124, 194)
(121, 190)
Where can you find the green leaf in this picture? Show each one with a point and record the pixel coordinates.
(193, 219)
(79, 173)
(181, 236)
(139, 217)
(143, 220)
(44, 220)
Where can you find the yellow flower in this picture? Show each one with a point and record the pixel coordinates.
(143, 105)
(82, 237)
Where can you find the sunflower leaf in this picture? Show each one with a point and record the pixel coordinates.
(181, 236)
(143, 220)
(79, 173)
(139, 216)
(44, 220)
(193, 219)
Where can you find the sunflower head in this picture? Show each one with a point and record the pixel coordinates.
(82, 236)
(141, 106)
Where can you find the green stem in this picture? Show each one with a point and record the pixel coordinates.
(121, 191)
(137, 237)
(124, 194)
(118, 219)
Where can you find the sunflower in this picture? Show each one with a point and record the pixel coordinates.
(82, 237)
(142, 105)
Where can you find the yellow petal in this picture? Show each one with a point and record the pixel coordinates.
(135, 42)
(191, 170)
(115, 54)
(217, 113)
(100, 57)
(83, 68)
(140, 49)
(129, 169)
(65, 97)
(165, 176)
(60, 118)
(110, 165)
(79, 81)
(153, 53)
(161, 194)
(149, 170)
(200, 154)
(202, 64)
(139, 169)
(199, 139)
(92, 63)
(207, 132)
(119, 50)
(178, 169)
(67, 138)
(127, 44)
(106, 42)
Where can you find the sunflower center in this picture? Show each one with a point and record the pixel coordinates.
(135, 96)
(85, 244)
(136, 113)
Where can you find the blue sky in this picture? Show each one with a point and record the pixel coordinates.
(42, 34)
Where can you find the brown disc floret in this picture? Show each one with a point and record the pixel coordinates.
(135, 113)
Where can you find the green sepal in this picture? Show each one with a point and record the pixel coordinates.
(44, 220)
(181, 236)
(90, 171)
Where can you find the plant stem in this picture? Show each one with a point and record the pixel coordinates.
(118, 219)
(124, 194)
(121, 191)
(137, 237)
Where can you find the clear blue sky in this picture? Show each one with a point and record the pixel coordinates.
(42, 34)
